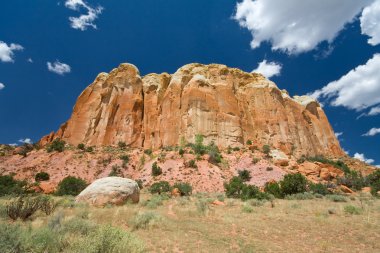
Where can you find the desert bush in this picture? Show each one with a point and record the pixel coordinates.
(245, 175)
(249, 142)
(246, 208)
(81, 146)
(266, 150)
(192, 164)
(181, 151)
(274, 189)
(300, 196)
(155, 201)
(337, 164)
(89, 149)
(236, 149)
(9, 185)
(202, 206)
(57, 145)
(214, 154)
(374, 182)
(125, 159)
(318, 188)
(10, 238)
(148, 151)
(198, 147)
(115, 171)
(122, 145)
(353, 180)
(293, 183)
(160, 187)
(145, 220)
(184, 188)
(71, 186)
(255, 160)
(22, 207)
(42, 176)
(234, 187)
(249, 192)
(337, 198)
(156, 170)
(140, 183)
(256, 202)
(349, 209)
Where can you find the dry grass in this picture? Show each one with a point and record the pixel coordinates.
(179, 225)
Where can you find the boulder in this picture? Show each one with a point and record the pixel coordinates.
(110, 190)
(309, 169)
(345, 189)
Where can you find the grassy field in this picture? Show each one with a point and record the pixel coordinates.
(192, 224)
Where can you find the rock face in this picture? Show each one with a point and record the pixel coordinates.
(110, 190)
(226, 105)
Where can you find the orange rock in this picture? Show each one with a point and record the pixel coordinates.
(366, 189)
(309, 169)
(176, 193)
(47, 187)
(226, 105)
(345, 189)
(217, 203)
(282, 162)
(325, 174)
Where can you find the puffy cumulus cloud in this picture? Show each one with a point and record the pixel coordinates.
(26, 140)
(7, 51)
(370, 22)
(85, 20)
(296, 26)
(2, 86)
(268, 69)
(58, 67)
(362, 158)
(372, 132)
(358, 89)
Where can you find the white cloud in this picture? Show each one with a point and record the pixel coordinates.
(362, 158)
(358, 89)
(372, 132)
(30, 60)
(296, 26)
(338, 134)
(58, 67)
(370, 22)
(377, 166)
(268, 69)
(2, 86)
(7, 52)
(373, 112)
(26, 140)
(85, 20)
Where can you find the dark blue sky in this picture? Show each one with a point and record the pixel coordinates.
(156, 36)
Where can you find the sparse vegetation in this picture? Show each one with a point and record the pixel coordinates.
(9, 185)
(24, 206)
(122, 145)
(249, 142)
(192, 164)
(160, 187)
(266, 150)
(115, 171)
(57, 145)
(81, 146)
(185, 189)
(319, 188)
(71, 186)
(42, 176)
(245, 175)
(156, 170)
(148, 152)
(125, 159)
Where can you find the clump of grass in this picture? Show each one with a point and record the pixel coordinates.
(246, 208)
(155, 201)
(145, 220)
(353, 210)
(300, 196)
(337, 198)
(256, 202)
(202, 206)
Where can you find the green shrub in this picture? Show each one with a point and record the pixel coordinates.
(337, 198)
(349, 209)
(249, 192)
(10, 238)
(148, 151)
(300, 196)
(293, 183)
(246, 208)
(337, 164)
(236, 149)
(318, 188)
(23, 207)
(184, 188)
(181, 151)
(245, 175)
(202, 206)
(198, 147)
(71, 186)
(122, 145)
(214, 154)
(192, 164)
(145, 220)
(249, 142)
(374, 182)
(115, 171)
(160, 187)
(42, 176)
(140, 183)
(266, 150)
(81, 146)
(57, 145)
(156, 170)
(255, 160)
(89, 149)
(234, 187)
(125, 159)
(353, 180)
(9, 185)
(274, 189)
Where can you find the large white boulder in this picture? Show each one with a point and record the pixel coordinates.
(110, 190)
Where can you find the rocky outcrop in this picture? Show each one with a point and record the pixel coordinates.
(110, 190)
(226, 105)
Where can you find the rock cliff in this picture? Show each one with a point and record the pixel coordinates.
(226, 105)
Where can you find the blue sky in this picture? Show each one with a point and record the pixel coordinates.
(308, 46)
